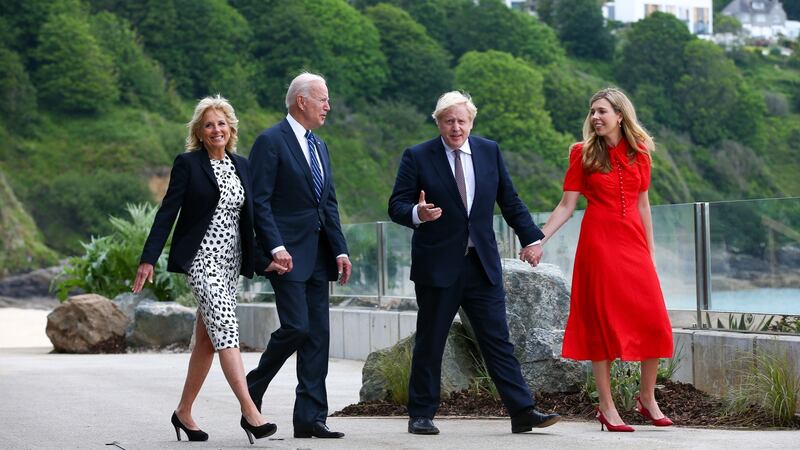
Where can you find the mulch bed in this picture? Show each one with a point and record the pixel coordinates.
(681, 402)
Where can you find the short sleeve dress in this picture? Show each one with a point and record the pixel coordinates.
(616, 308)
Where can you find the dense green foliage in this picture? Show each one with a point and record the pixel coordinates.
(94, 95)
(419, 68)
(581, 27)
(109, 263)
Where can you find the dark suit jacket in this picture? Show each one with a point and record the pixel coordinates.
(286, 211)
(193, 191)
(437, 249)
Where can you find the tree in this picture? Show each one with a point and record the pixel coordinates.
(717, 102)
(325, 36)
(494, 26)
(74, 74)
(726, 24)
(17, 94)
(510, 99)
(567, 92)
(23, 19)
(203, 46)
(653, 52)
(140, 79)
(419, 68)
(581, 28)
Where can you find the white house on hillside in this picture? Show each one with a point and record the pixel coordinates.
(696, 14)
(762, 18)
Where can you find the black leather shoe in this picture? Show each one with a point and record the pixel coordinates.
(318, 430)
(530, 419)
(261, 431)
(421, 425)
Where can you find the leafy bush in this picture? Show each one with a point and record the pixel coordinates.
(771, 384)
(109, 263)
(395, 366)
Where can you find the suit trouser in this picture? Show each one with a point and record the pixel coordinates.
(303, 311)
(484, 304)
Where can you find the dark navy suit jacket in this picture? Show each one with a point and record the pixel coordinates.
(193, 191)
(437, 247)
(286, 210)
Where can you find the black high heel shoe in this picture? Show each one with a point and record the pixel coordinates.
(192, 435)
(262, 431)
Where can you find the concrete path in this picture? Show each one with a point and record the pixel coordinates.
(89, 401)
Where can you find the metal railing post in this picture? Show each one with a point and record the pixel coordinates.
(702, 258)
(381, 239)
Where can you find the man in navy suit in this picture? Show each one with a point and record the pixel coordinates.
(446, 190)
(297, 225)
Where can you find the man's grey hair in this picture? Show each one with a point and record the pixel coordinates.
(454, 98)
(301, 85)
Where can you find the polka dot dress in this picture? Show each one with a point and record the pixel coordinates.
(214, 274)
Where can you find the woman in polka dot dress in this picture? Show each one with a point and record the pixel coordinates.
(209, 194)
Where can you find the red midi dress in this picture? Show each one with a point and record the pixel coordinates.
(616, 307)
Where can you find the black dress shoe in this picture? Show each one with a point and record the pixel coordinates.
(530, 419)
(318, 430)
(421, 425)
(192, 435)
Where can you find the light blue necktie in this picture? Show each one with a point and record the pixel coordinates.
(316, 171)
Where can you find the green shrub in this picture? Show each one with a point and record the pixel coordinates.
(109, 263)
(771, 384)
(395, 366)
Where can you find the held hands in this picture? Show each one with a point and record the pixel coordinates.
(283, 260)
(427, 211)
(275, 267)
(144, 273)
(532, 254)
(345, 269)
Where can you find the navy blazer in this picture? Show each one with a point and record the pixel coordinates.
(437, 247)
(286, 210)
(193, 191)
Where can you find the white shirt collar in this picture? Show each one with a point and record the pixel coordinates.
(464, 148)
(299, 130)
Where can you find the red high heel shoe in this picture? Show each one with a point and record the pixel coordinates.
(662, 422)
(617, 428)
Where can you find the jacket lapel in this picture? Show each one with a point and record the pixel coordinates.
(294, 148)
(442, 166)
(480, 165)
(205, 163)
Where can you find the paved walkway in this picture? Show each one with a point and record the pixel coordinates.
(88, 401)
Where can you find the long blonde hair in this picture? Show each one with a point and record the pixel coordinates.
(218, 103)
(595, 156)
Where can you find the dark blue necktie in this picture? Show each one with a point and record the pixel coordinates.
(316, 171)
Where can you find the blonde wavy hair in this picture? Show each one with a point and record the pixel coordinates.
(195, 125)
(595, 155)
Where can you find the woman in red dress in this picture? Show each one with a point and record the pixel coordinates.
(617, 309)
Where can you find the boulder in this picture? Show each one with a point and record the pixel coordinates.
(32, 284)
(128, 301)
(161, 324)
(87, 323)
(537, 306)
(458, 365)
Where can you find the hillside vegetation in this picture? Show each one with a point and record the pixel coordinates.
(95, 94)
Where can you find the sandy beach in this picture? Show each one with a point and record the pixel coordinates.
(22, 328)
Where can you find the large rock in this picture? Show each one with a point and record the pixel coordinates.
(128, 301)
(537, 306)
(88, 323)
(458, 365)
(161, 324)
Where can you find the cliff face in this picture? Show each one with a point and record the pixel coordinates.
(21, 245)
